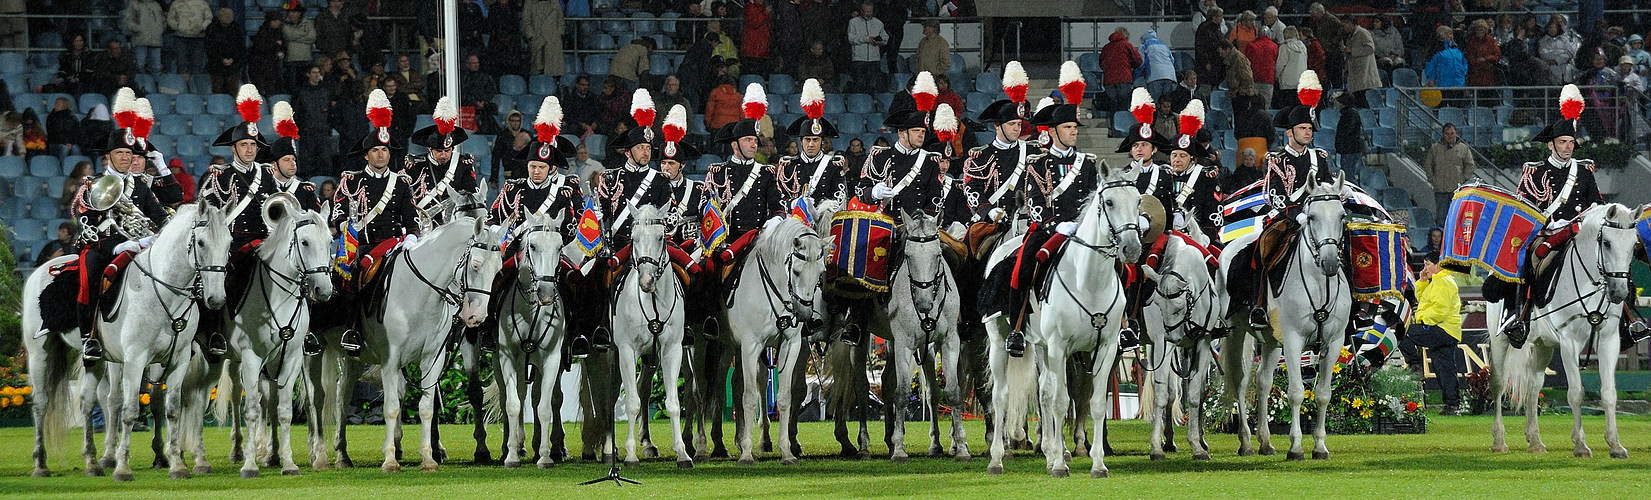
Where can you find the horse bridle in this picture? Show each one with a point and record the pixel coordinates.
(194, 290)
(771, 290)
(462, 278)
(533, 279)
(926, 318)
(1316, 244)
(1594, 317)
(527, 287)
(1321, 313)
(1110, 248)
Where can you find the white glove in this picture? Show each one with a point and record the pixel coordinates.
(146, 241)
(1066, 228)
(879, 192)
(160, 163)
(1180, 220)
(1143, 221)
(997, 214)
(408, 241)
(1554, 225)
(127, 246)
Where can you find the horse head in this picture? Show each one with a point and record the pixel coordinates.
(648, 247)
(807, 265)
(477, 267)
(1612, 229)
(1112, 216)
(1186, 292)
(1322, 225)
(209, 251)
(300, 246)
(538, 243)
(923, 259)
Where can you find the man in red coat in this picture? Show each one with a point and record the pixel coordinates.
(1263, 54)
(1119, 60)
(754, 47)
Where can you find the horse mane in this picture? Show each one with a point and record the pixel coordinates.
(648, 223)
(183, 221)
(776, 239)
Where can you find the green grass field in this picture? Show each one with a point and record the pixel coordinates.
(1451, 461)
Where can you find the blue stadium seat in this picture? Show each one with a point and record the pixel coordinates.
(958, 66)
(1406, 77)
(1329, 117)
(597, 64)
(189, 104)
(834, 104)
(163, 143)
(747, 79)
(644, 23)
(602, 41)
(220, 104)
(172, 124)
(660, 64)
(974, 102)
(43, 208)
(1482, 116)
(1395, 198)
(200, 84)
(12, 166)
(1220, 101)
(171, 83)
(205, 124)
(144, 82)
(1374, 180)
(989, 83)
(12, 61)
(898, 82)
(598, 146)
(161, 104)
(422, 121)
(696, 125)
(50, 101)
(541, 84)
(1384, 140)
(192, 145)
(45, 166)
(30, 230)
(88, 101)
(1121, 121)
(1388, 117)
(1452, 115)
(70, 161)
(861, 104)
(849, 124)
(512, 85)
(505, 104)
(782, 84)
(1090, 62)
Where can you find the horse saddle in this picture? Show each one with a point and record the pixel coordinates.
(1275, 247)
(1543, 271)
(58, 298)
(982, 238)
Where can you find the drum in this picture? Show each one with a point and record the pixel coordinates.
(1489, 227)
(859, 266)
(1377, 253)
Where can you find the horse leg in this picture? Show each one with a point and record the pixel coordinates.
(1569, 350)
(647, 396)
(44, 397)
(1497, 354)
(113, 401)
(430, 445)
(268, 451)
(751, 400)
(394, 387)
(283, 418)
(633, 401)
(670, 366)
(789, 352)
(1263, 382)
(545, 399)
(1193, 398)
(1159, 412)
(173, 415)
(514, 386)
(926, 384)
(347, 372)
(998, 369)
(950, 359)
(88, 400)
(1237, 372)
(1540, 354)
(1296, 392)
(158, 431)
(236, 408)
(1609, 348)
(1322, 393)
(1052, 373)
(130, 381)
(473, 393)
(315, 391)
(901, 358)
(1097, 408)
(254, 404)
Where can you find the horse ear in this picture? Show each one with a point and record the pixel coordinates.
(905, 217)
(1152, 274)
(554, 221)
(1341, 180)
(326, 209)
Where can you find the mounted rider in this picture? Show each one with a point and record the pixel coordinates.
(432, 173)
(239, 188)
(620, 192)
(141, 120)
(1560, 186)
(994, 172)
(118, 214)
(815, 172)
(740, 194)
(1291, 171)
(373, 212)
(280, 159)
(1059, 182)
(952, 205)
(1142, 141)
(1190, 189)
(545, 190)
(682, 215)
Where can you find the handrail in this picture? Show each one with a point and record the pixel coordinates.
(1484, 168)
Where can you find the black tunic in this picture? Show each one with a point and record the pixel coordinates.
(1287, 172)
(224, 186)
(615, 189)
(723, 181)
(1048, 171)
(104, 240)
(987, 170)
(359, 193)
(1543, 181)
(559, 195)
(892, 166)
(793, 174)
(682, 216)
(427, 176)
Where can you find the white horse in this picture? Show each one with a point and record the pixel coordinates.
(920, 320)
(154, 306)
(1191, 303)
(1083, 311)
(1013, 381)
(439, 284)
(1589, 289)
(1310, 308)
(647, 317)
(531, 327)
(775, 297)
(267, 332)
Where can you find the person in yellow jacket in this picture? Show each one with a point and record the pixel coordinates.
(1438, 327)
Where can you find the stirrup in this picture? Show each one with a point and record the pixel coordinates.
(313, 345)
(1638, 331)
(1015, 344)
(854, 335)
(601, 339)
(1129, 336)
(579, 347)
(711, 330)
(1517, 331)
(351, 341)
(216, 345)
(91, 350)
(1258, 318)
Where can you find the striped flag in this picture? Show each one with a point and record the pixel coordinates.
(803, 210)
(711, 229)
(1241, 228)
(349, 238)
(1248, 202)
(589, 232)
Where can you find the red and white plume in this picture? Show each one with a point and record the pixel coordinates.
(924, 92)
(676, 124)
(812, 99)
(1192, 118)
(1015, 82)
(378, 109)
(445, 115)
(1309, 90)
(548, 124)
(249, 103)
(756, 101)
(285, 126)
(1141, 105)
(1570, 102)
(1042, 103)
(642, 108)
(1072, 83)
(145, 118)
(124, 108)
(945, 123)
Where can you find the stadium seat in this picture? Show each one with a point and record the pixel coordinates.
(898, 82)
(541, 84)
(172, 124)
(861, 104)
(44, 209)
(989, 83)
(220, 104)
(696, 125)
(834, 104)
(1121, 121)
(597, 64)
(422, 121)
(1384, 139)
(163, 143)
(1090, 62)
(204, 124)
(189, 104)
(1406, 77)
(200, 84)
(31, 230)
(12, 60)
(849, 124)
(660, 64)
(977, 101)
(192, 145)
(12, 166)
(505, 104)
(747, 79)
(602, 41)
(171, 83)
(958, 65)
(644, 23)
(15, 81)
(1450, 115)
(1388, 118)
(1220, 101)
(45, 166)
(782, 84)
(884, 100)
(161, 104)
(598, 146)
(512, 85)
(1329, 117)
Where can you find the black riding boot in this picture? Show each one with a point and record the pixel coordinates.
(91, 350)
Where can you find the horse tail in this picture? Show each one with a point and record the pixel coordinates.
(841, 398)
(1522, 372)
(226, 389)
(57, 385)
(1023, 383)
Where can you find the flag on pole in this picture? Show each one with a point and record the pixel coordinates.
(589, 233)
(711, 229)
(803, 210)
(349, 238)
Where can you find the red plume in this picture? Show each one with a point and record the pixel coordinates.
(1015, 82)
(1570, 102)
(1072, 84)
(285, 126)
(1192, 118)
(125, 108)
(145, 119)
(445, 115)
(249, 103)
(756, 101)
(1141, 105)
(676, 124)
(924, 92)
(642, 108)
(548, 123)
(945, 123)
(812, 99)
(378, 109)
(1309, 91)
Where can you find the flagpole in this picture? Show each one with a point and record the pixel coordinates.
(450, 53)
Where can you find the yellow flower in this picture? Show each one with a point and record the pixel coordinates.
(17, 400)
(1365, 413)
(26, 390)
(5, 402)
(1358, 403)
(1308, 394)
(7, 391)
(1336, 369)
(214, 394)
(143, 399)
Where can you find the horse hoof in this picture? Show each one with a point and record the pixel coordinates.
(545, 464)
(249, 474)
(963, 458)
(1267, 452)
(345, 463)
(124, 476)
(1170, 448)
(1501, 448)
(291, 472)
(41, 473)
(1538, 449)
(746, 462)
(995, 469)
(429, 467)
(900, 459)
(1294, 455)
(1080, 452)
(788, 461)
(1157, 456)
(178, 474)
(108, 463)
(1619, 454)
(1200, 456)
(159, 463)
(689, 464)
(94, 471)
(1321, 455)
(936, 452)
(1099, 474)
(1584, 453)
(391, 468)
(1062, 472)
(719, 453)
(848, 453)
(633, 463)
(702, 458)
(202, 470)
(650, 452)
(1245, 452)
(512, 464)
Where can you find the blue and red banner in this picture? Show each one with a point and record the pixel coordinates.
(1490, 228)
(860, 262)
(1378, 254)
(589, 232)
(712, 231)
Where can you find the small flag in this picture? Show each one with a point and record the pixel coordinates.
(711, 229)
(803, 210)
(1239, 229)
(1374, 334)
(589, 233)
(349, 238)
(1246, 203)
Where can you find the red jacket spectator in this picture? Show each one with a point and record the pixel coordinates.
(722, 107)
(1263, 54)
(1119, 60)
(186, 182)
(1482, 54)
(1315, 56)
(759, 22)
